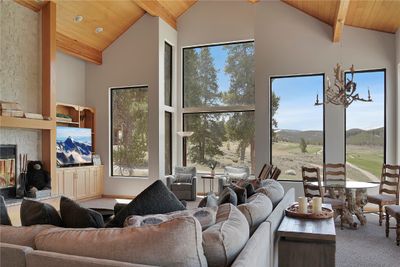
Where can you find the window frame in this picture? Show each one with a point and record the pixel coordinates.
(170, 142)
(271, 78)
(171, 73)
(384, 114)
(110, 128)
(210, 109)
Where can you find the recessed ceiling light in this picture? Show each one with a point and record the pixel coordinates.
(78, 18)
(99, 29)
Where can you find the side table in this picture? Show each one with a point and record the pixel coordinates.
(305, 242)
(210, 178)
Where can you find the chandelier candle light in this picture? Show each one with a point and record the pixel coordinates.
(342, 92)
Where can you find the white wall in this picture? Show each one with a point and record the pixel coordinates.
(398, 92)
(70, 80)
(289, 41)
(131, 60)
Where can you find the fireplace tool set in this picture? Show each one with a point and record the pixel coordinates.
(23, 168)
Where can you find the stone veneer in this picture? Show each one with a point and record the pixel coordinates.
(20, 71)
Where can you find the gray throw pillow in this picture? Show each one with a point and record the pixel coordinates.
(227, 196)
(35, 212)
(209, 201)
(183, 178)
(272, 189)
(75, 216)
(4, 218)
(155, 199)
(240, 192)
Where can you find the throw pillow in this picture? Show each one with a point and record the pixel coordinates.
(249, 189)
(174, 243)
(256, 183)
(183, 178)
(240, 192)
(75, 216)
(223, 241)
(272, 189)
(227, 196)
(4, 218)
(256, 210)
(155, 199)
(209, 201)
(35, 212)
(21, 235)
(206, 217)
(237, 176)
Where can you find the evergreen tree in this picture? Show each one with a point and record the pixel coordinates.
(303, 145)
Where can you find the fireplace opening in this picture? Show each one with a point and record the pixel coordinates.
(8, 171)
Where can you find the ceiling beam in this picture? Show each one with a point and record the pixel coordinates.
(78, 49)
(154, 8)
(340, 16)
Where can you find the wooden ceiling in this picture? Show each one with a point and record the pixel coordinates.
(116, 16)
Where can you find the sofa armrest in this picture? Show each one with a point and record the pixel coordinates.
(194, 188)
(170, 180)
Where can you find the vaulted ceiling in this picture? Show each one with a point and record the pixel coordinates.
(103, 21)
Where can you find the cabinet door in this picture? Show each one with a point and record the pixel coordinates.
(69, 183)
(82, 177)
(92, 181)
(59, 188)
(99, 181)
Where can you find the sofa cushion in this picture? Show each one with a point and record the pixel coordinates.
(223, 241)
(206, 217)
(240, 192)
(155, 199)
(227, 196)
(35, 212)
(256, 210)
(181, 243)
(181, 187)
(210, 200)
(13, 255)
(75, 216)
(21, 235)
(273, 190)
(4, 218)
(246, 183)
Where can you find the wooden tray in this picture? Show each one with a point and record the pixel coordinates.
(293, 211)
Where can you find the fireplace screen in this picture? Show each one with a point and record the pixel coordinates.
(8, 156)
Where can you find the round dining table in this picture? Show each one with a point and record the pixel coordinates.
(355, 194)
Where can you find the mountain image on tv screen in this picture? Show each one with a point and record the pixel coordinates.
(74, 146)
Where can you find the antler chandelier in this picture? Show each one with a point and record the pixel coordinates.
(342, 92)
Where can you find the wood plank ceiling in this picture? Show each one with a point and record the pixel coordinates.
(116, 16)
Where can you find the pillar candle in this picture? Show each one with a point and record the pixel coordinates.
(302, 204)
(317, 205)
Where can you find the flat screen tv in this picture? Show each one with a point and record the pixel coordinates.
(74, 146)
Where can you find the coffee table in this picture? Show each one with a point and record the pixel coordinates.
(306, 242)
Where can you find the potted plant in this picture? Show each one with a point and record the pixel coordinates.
(212, 164)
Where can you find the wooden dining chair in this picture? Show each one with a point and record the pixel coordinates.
(311, 175)
(388, 189)
(265, 171)
(335, 179)
(275, 173)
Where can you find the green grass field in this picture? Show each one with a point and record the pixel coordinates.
(367, 158)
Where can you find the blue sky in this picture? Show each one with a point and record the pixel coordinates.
(297, 98)
(78, 134)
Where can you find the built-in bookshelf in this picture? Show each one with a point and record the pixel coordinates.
(71, 115)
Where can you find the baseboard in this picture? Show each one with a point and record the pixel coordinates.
(119, 196)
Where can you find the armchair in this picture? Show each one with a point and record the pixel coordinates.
(183, 183)
(232, 174)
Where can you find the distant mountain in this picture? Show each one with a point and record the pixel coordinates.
(353, 136)
(70, 151)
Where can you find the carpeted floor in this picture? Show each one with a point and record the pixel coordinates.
(365, 247)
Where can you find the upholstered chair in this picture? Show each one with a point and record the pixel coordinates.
(232, 175)
(183, 183)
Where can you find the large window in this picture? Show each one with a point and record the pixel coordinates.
(168, 143)
(129, 119)
(168, 74)
(218, 100)
(297, 125)
(365, 128)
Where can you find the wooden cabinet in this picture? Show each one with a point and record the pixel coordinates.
(80, 182)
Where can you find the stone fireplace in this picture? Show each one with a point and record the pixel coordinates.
(8, 171)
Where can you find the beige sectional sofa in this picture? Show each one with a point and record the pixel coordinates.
(56, 247)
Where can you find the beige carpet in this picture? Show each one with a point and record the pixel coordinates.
(364, 247)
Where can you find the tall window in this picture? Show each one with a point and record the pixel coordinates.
(365, 128)
(168, 74)
(218, 99)
(297, 125)
(129, 119)
(168, 143)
